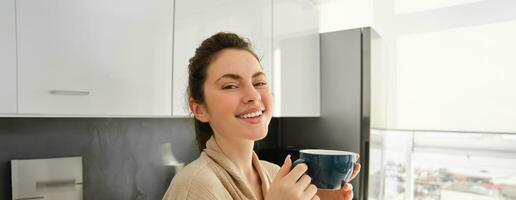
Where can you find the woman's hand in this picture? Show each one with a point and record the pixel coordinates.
(292, 185)
(346, 191)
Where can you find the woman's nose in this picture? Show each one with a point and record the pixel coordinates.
(251, 94)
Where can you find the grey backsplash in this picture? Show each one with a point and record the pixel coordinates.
(122, 158)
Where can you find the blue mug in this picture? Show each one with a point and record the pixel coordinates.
(329, 169)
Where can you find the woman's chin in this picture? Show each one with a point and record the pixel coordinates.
(257, 136)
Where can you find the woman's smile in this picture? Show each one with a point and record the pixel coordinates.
(252, 117)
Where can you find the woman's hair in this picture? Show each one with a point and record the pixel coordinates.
(197, 73)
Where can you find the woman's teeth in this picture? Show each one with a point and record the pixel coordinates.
(249, 115)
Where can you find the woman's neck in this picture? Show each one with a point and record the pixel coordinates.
(240, 152)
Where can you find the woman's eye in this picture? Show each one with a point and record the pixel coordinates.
(260, 84)
(229, 87)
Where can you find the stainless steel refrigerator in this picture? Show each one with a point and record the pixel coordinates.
(344, 123)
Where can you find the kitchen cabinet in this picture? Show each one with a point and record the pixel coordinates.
(296, 68)
(196, 20)
(94, 58)
(7, 58)
(285, 34)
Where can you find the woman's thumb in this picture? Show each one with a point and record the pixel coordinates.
(285, 168)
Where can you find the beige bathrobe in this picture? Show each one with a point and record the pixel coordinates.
(214, 176)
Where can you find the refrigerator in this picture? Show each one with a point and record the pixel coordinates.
(344, 124)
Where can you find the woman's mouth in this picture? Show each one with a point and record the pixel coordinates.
(253, 118)
(251, 115)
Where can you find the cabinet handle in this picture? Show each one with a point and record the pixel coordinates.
(56, 184)
(34, 197)
(69, 92)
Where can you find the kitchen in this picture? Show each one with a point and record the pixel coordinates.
(71, 86)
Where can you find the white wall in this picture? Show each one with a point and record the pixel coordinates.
(449, 66)
(344, 14)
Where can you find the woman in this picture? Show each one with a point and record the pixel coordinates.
(232, 105)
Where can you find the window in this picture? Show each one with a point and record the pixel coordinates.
(426, 165)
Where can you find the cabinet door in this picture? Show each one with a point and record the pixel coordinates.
(296, 59)
(7, 58)
(196, 20)
(95, 57)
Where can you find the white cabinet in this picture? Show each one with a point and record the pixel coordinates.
(296, 66)
(114, 57)
(95, 57)
(196, 20)
(7, 57)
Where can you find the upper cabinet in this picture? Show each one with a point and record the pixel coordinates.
(95, 57)
(126, 58)
(296, 66)
(7, 58)
(196, 20)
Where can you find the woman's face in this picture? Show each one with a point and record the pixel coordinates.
(238, 101)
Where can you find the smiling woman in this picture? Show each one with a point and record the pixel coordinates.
(221, 68)
(235, 89)
(232, 105)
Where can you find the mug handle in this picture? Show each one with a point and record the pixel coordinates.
(299, 161)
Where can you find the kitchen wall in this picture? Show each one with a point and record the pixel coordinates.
(449, 65)
(336, 15)
(122, 158)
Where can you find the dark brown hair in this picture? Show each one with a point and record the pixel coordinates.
(197, 73)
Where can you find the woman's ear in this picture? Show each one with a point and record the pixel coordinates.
(198, 111)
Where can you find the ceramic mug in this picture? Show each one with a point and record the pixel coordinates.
(329, 169)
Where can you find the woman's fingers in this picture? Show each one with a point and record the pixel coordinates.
(316, 198)
(311, 190)
(285, 168)
(348, 191)
(356, 170)
(296, 173)
(347, 187)
(304, 181)
(345, 193)
(292, 184)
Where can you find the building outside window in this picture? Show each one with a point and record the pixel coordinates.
(415, 165)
